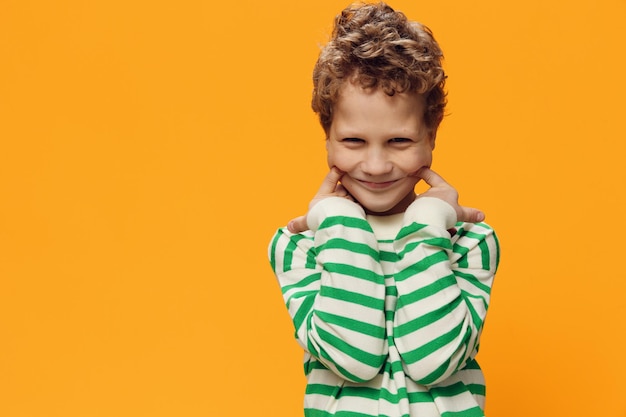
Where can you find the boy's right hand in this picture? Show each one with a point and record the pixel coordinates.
(331, 187)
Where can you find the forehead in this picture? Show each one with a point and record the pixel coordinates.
(359, 108)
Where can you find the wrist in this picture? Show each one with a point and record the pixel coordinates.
(431, 211)
(332, 206)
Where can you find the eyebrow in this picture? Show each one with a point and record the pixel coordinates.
(351, 134)
(356, 133)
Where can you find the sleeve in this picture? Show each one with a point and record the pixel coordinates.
(334, 289)
(443, 289)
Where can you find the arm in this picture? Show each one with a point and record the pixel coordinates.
(443, 289)
(333, 287)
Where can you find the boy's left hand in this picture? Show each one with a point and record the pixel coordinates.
(440, 189)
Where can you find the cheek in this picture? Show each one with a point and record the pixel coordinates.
(417, 161)
(428, 160)
(345, 161)
(349, 185)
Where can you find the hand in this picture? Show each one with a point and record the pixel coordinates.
(442, 190)
(330, 188)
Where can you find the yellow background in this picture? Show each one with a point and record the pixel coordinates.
(149, 149)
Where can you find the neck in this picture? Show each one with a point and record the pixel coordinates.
(398, 208)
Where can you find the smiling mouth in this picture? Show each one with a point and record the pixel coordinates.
(378, 185)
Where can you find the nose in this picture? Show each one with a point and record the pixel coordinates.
(376, 162)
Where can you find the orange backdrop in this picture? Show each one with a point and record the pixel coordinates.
(149, 149)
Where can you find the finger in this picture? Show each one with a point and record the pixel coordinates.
(471, 215)
(330, 182)
(431, 177)
(298, 225)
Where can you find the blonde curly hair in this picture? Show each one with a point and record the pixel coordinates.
(375, 46)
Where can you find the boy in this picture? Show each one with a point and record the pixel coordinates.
(388, 290)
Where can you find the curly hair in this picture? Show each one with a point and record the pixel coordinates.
(375, 46)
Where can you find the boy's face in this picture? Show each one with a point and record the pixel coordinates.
(379, 141)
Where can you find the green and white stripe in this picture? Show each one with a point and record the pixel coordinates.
(390, 322)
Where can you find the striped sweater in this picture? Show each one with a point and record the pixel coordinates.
(388, 309)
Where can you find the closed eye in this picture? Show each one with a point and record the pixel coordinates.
(353, 140)
(400, 140)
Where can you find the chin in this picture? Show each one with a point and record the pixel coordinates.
(380, 209)
(386, 206)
